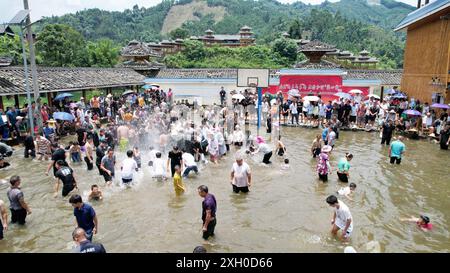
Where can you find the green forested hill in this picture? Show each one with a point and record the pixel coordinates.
(349, 24)
(265, 16)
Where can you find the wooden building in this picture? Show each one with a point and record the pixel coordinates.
(140, 57)
(426, 66)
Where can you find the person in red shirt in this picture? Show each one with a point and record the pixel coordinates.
(422, 222)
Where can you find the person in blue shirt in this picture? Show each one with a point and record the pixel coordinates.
(397, 150)
(85, 216)
(48, 132)
(84, 245)
(12, 119)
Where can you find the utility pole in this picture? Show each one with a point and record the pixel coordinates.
(37, 110)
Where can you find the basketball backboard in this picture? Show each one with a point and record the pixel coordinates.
(253, 77)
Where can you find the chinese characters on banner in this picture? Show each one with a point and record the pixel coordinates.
(326, 86)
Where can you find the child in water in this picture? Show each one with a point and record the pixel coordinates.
(285, 166)
(137, 156)
(178, 181)
(423, 222)
(347, 191)
(95, 193)
(75, 152)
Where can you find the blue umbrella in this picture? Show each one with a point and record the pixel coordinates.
(399, 96)
(147, 86)
(63, 116)
(390, 92)
(343, 95)
(63, 96)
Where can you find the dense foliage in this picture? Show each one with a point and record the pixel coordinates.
(61, 45)
(196, 55)
(351, 35)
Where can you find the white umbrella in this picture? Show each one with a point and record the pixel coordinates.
(294, 93)
(355, 91)
(238, 97)
(374, 96)
(273, 101)
(311, 98)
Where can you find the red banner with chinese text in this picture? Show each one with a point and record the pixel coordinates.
(326, 86)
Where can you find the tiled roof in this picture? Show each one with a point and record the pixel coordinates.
(222, 37)
(5, 61)
(387, 77)
(316, 46)
(205, 73)
(12, 79)
(135, 48)
(5, 29)
(146, 65)
(422, 13)
(197, 73)
(322, 65)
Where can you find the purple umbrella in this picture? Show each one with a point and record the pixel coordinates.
(440, 105)
(411, 112)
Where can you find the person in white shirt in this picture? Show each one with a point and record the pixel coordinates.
(342, 218)
(241, 176)
(129, 166)
(159, 167)
(347, 191)
(331, 138)
(294, 112)
(238, 136)
(189, 163)
(265, 149)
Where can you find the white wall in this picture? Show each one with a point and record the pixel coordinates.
(207, 90)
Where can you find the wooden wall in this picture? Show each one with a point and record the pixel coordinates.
(427, 55)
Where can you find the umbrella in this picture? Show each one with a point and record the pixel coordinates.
(273, 101)
(374, 96)
(73, 105)
(399, 96)
(355, 91)
(155, 84)
(440, 105)
(411, 112)
(390, 92)
(294, 93)
(238, 97)
(147, 86)
(343, 95)
(63, 116)
(63, 96)
(128, 92)
(311, 98)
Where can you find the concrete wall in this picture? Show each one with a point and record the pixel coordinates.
(207, 89)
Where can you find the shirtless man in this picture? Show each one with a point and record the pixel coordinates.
(89, 152)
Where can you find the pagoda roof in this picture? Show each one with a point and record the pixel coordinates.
(135, 48)
(317, 46)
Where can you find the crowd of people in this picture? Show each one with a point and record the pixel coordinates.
(179, 147)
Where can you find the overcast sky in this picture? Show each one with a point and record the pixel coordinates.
(40, 8)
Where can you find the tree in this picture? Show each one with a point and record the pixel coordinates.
(102, 53)
(286, 48)
(295, 29)
(12, 47)
(194, 50)
(61, 45)
(179, 33)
